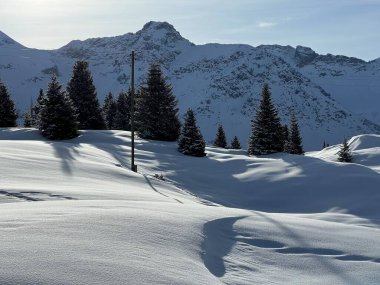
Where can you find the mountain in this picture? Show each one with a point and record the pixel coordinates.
(333, 96)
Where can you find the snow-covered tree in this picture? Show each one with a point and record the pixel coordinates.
(8, 115)
(82, 92)
(220, 139)
(109, 111)
(235, 144)
(344, 154)
(58, 118)
(266, 136)
(156, 111)
(294, 144)
(191, 141)
(123, 112)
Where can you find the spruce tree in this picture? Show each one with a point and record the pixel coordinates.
(41, 100)
(8, 115)
(109, 111)
(295, 140)
(156, 111)
(82, 92)
(58, 118)
(191, 141)
(266, 136)
(344, 154)
(28, 120)
(235, 144)
(220, 139)
(285, 137)
(29, 117)
(123, 114)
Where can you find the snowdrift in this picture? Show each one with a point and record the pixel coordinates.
(71, 212)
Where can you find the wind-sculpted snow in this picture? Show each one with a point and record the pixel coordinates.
(332, 96)
(71, 212)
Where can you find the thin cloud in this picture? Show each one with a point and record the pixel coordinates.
(266, 24)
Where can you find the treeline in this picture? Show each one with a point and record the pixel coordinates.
(59, 114)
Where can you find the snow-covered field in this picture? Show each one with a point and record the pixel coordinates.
(73, 213)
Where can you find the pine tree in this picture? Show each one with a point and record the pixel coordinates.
(156, 112)
(28, 120)
(266, 136)
(8, 115)
(123, 114)
(295, 141)
(29, 117)
(285, 137)
(41, 100)
(220, 139)
(235, 144)
(82, 92)
(58, 119)
(109, 111)
(191, 141)
(344, 154)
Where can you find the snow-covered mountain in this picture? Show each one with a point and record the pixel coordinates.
(332, 96)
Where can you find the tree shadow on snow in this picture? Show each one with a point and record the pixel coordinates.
(219, 239)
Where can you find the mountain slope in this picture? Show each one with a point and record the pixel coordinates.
(222, 83)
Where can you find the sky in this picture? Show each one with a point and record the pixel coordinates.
(348, 27)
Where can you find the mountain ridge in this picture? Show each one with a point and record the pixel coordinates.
(222, 83)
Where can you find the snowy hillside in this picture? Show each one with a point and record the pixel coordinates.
(72, 212)
(333, 96)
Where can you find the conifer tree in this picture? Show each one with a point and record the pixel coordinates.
(28, 120)
(266, 136)
(123, 114)
(235, 144)
(156, 111)
(8, 115)
(220, 139)
(109, 111)
(285, 138)
(344, 154)
(36, 111)
(191, 141)
(82, 92)
(58, 119)
(29, 117)
(285, 132)
(295, 141)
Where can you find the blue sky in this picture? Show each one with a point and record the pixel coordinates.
(349, 27)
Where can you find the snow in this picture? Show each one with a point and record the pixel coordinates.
(71, 212)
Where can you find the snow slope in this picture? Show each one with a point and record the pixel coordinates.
(72, 212)
(332, 96)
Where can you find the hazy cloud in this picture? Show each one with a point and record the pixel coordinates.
(266, 24)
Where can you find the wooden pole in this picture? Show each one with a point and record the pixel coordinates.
(133, 166)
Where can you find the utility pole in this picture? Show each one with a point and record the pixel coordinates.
(133, 166)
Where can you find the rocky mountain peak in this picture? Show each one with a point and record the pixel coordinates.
(160, 31)
(304, 55)
(153, 25)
